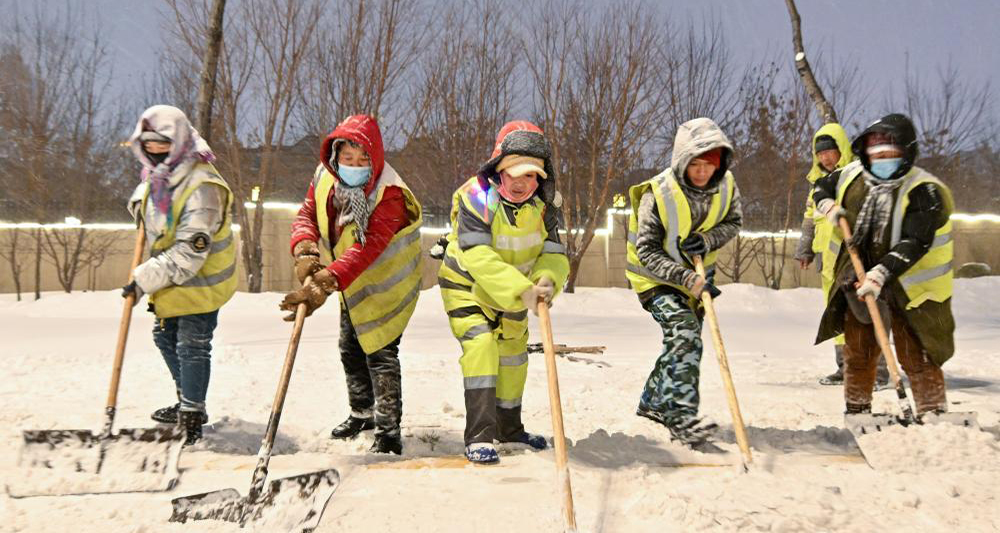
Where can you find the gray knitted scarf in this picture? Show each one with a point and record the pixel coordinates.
(875, 212)
(353, 208)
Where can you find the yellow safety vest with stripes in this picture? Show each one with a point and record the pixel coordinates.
(930, 278)
(216, 281)
(675, 215)
(519, 244)
(382, 299)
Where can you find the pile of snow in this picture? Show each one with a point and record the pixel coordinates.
(807, 473)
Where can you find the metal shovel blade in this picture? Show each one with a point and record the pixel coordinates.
(867, 423)
(62, 462)
(288, 504)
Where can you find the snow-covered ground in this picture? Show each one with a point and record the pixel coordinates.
(55, 358)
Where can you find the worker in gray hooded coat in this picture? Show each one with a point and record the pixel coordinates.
(184, 205)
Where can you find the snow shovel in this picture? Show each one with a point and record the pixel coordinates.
(289, 504)
(78, 461)
(727, 378)
(555, 405)
(867, 423)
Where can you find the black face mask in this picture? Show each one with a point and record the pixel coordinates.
(157, 158)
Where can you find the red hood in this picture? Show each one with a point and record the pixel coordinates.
(363, 130)
(510, 127)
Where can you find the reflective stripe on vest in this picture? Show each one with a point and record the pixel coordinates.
(931, 277)
(847, 176)
(382, 299)
(675, 215)
(216, 281)
(518, 244)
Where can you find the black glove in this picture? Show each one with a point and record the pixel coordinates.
(132, 289)
(713, 291)
(694, 245)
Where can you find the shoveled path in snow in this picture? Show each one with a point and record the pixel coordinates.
(55, 359)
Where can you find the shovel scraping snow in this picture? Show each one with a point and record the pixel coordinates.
(77, 461)
(290, 504)
(861, 424)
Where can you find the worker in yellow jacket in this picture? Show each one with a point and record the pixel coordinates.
(831, 151)
(503, 256)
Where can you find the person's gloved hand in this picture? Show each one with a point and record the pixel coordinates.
(701, 285)
(831, 210)
(694, 244)
(307, 263)
(313, 294)
(132, 289)
(544, 290)
(874, 281)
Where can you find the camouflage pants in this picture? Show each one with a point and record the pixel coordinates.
(373, 380)
(672, 387)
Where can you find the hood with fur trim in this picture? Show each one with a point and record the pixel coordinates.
(364, 131)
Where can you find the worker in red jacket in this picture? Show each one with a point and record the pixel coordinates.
(369, 219)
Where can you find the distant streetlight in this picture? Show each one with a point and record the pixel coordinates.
(255, 193)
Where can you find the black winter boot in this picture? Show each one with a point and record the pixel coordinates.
(387, 444)
(858, 408)
(166, 415)
(191, 422)
(351, 427)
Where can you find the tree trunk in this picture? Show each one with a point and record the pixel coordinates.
(574, 271)
(38, 264)
(805, 71)
(206, 92)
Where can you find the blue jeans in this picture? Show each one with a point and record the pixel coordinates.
(186, 345)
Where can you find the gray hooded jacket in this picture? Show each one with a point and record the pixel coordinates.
(203, 213)
(694, 137)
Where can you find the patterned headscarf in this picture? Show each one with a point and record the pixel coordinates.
(167, 122)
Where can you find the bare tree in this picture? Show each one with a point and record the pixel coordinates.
(209, 70)
(72, 251)
(10, 251)
(598, 94)
(805, 71)
(261, 68)
(56, 113)
(464, 95)
(742, 250)
(951, 113)
(360, 64)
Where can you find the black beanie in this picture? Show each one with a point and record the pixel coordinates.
(825, 142)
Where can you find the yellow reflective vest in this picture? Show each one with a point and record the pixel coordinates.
(931, 277)
(216, 281)
(675, 215)
(516, 253)
(382, 299)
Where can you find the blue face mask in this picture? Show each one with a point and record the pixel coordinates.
(883, 168)
(354, 176)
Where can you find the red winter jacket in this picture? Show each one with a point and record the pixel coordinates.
(388, 217)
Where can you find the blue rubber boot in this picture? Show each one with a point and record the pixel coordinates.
(537, 442)
(483, 453)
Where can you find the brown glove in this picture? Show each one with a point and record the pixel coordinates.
(313, 294)
(307, 263)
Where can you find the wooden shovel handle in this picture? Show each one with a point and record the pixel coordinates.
(880, 332)
(555, 406)
(739, 428)
(123, 326)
